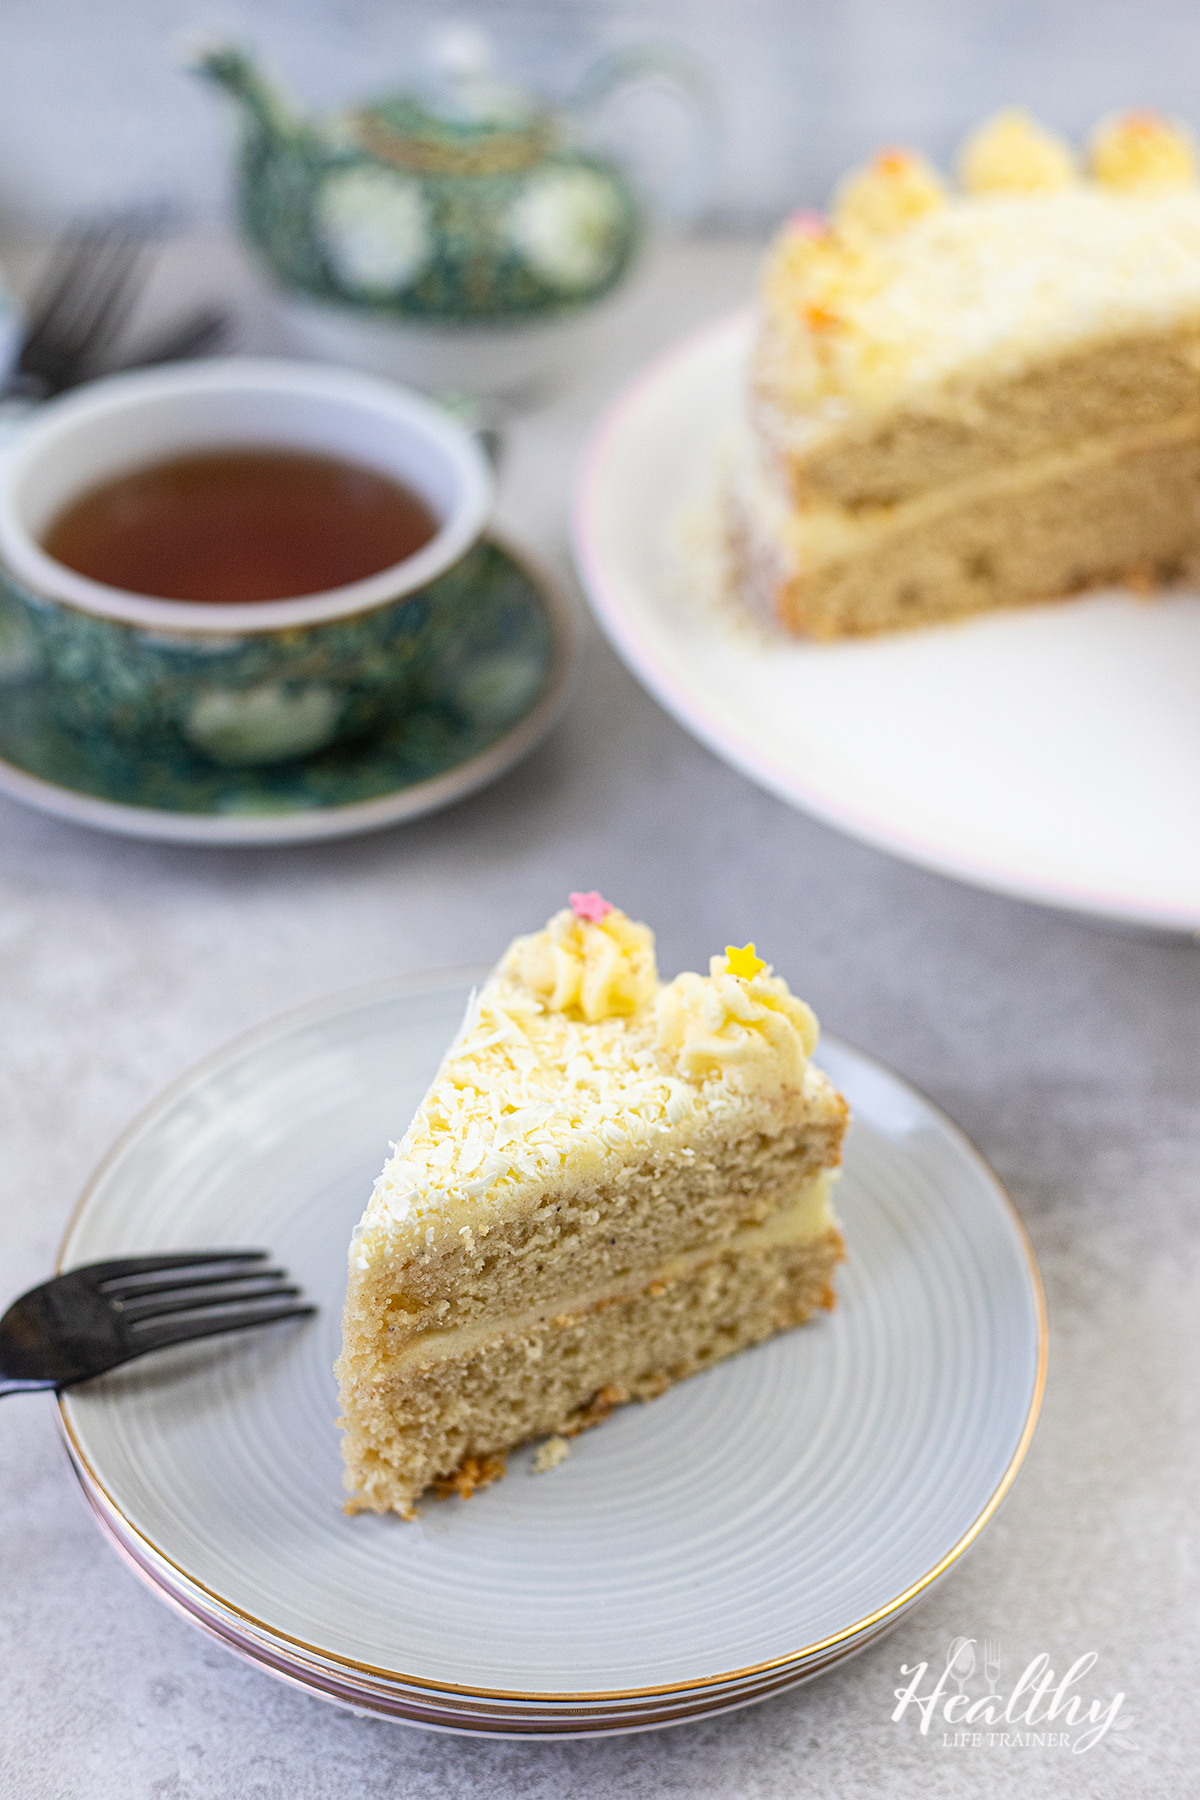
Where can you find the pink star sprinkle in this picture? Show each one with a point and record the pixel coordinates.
(808, 223)
(593, 907)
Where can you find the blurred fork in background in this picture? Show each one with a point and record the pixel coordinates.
(80, 309)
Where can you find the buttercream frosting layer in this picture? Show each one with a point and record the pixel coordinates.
(805, 1219)
(808, 539)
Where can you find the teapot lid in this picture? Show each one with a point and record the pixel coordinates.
(464, 120)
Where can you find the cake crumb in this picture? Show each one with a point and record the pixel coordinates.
(555, 1450)
(595, 1412)
(1142, 581)
(651, 1386)
(473, 1473)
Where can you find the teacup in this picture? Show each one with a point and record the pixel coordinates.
(237, 683)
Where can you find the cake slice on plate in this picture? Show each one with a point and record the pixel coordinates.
(612, 1183)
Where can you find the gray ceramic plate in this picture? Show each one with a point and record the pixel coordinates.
(750, 1529)
(495, 693)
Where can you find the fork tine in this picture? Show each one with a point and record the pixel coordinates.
(70, 266)
(153, 1336)
(139, 1287)
(195, 336)
(45, 353)
(111, 299)
(180, 1275)
(103, 1272)
(141, 1312)
(81, 302)
(66, 262)
(93, 307)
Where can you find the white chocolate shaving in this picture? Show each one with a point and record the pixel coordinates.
(531, 1092)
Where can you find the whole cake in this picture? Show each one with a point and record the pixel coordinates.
(964, 400)
(612, 1183)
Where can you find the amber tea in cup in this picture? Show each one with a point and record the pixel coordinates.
(240, 525)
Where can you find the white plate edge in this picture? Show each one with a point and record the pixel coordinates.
(629, 643)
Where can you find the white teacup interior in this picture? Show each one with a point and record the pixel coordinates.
(129, 422)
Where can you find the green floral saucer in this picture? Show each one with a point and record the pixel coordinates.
(493, 691)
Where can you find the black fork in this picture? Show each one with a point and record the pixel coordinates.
(106, 1313)
(82, 304)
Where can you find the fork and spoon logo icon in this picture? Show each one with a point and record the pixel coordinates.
(961, 1662)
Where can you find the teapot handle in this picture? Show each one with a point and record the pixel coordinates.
(686, 197)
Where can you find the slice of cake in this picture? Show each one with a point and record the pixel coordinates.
(964, 400)
(612, 1183)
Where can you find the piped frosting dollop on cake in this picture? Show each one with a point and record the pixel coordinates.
(588, 967)
(751, 1033)
(894, 190)
(1142, 151)
(1013, 154)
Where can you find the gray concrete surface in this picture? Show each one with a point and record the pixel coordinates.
(1069, 1053)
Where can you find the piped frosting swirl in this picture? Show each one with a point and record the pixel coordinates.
(753, 1032)
(1142, 150)
(894, 190)
(585, 969)
(1012, 154)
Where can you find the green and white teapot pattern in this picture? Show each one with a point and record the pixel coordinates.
(472, 203)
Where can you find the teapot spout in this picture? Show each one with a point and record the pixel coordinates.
(263, 108)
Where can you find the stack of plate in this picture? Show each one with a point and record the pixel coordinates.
(747, 1531)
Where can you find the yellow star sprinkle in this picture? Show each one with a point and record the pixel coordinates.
(743, 962)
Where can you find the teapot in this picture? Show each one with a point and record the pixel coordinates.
(429, 234)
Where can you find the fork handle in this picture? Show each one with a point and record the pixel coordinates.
(14, 1384)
